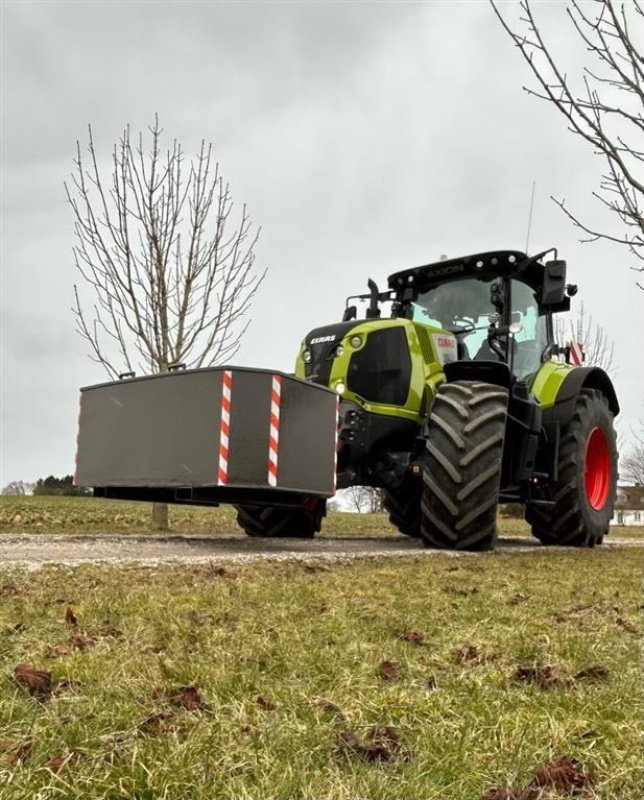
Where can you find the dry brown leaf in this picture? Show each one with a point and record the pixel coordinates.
(545, 676)
(516, 600)
(81, 641)
(16, 752)
(597, 672)
(36, 681)
(188, 697)
(70, 617)
(564, 775)
(264, 704)
(468, 655)
(415, 637)
(59, 650)
(329, 707)
(68, 685)
(382, 744)
(155, 723)
(57, 763)
(388, 671)
(626, 625)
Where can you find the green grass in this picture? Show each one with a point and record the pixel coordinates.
(93, 515)
(293, 633)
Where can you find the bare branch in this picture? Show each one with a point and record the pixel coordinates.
(168, 275)
(604, 107)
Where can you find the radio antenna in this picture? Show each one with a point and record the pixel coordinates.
(527, 238)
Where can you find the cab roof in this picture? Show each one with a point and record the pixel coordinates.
(487, 265)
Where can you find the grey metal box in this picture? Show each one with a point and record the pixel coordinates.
(164, 436)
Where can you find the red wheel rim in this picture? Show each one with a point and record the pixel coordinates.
(597, 470)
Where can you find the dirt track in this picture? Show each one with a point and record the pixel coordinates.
(33, 550)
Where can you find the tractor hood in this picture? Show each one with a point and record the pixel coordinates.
(321, 344)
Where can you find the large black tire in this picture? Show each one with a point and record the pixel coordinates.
(287, 523)
(462, 466)
(403, 507)
(586, 488)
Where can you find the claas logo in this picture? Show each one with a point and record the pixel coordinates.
(444, 341)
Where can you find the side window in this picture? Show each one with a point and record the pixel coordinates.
(532, 340)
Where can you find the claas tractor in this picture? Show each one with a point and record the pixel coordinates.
(454, 397)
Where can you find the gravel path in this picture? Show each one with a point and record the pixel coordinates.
(34, 550)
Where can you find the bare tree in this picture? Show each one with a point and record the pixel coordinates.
(18, 488)
(364, 499)
(597, 347)
(604, 105)
(169, 268)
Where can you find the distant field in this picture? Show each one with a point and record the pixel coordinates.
(94, 515)
(413, 679)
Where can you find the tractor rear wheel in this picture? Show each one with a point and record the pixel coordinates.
(403, 506)
(584, 495)
(287, 523)
(462, 466)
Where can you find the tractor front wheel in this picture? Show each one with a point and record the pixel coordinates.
(462, 466)
(586, 487)
(288, 523)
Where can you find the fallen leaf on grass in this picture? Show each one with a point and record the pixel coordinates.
(626, 625)
(59, 650)
(264, 704)
(515, 601)
(329, 707)
(57, 763)
(383, 744)
(469, 655)
(571, 613)
(597, 672)
(155, 723)
(15, 752)
(68, 685)
(37, 682)
(545, 676)
(415, 637)
(388, 671)
(81, 641)
(188, 697)
(462, 592)
(70, 617)
(564, 775)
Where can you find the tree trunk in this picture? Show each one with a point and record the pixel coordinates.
(160, 516)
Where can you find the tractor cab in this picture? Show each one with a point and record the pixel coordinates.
(498, 305)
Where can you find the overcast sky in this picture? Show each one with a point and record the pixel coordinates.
(364, 138)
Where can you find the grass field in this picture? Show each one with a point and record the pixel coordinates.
(414, 679)
(94, 515)
(431, 679)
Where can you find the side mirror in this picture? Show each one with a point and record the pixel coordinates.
(350, 312)
(553, 291)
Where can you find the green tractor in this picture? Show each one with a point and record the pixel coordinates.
(460, 400)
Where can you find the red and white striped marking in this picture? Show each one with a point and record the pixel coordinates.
(576, 353)
(337, 443)
(80, 408)
(224, 427)
(274, 434)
